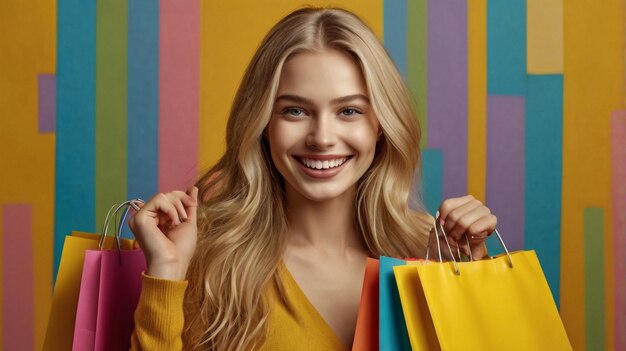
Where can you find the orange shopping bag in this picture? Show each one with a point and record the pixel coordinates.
(366, 333)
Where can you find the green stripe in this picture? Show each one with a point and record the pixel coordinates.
(111, 46)
(417, 44)
(594, 279)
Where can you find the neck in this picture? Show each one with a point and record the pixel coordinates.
(328, 227)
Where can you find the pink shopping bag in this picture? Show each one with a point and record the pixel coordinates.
(109, 292)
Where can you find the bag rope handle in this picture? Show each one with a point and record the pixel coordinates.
(456, 266)
(126, 205)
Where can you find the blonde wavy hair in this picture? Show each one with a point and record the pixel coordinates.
(241, 225)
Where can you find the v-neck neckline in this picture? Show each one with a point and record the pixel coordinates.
(309, 305)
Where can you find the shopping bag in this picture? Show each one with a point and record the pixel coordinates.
(417, 317)
(392, 327)
(503, 303)
(61, 321)
(109, 291)
(366, 333)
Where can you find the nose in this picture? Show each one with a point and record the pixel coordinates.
(323, 132)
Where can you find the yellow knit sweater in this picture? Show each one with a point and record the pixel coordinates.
(159, 318)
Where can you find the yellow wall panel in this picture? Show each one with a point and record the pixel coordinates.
(28, 48)
(477, 98)
(544, 36)
(593, 88)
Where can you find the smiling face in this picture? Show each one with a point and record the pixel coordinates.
(323, 131)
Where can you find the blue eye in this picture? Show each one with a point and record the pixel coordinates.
(350, 112)
(294, 111)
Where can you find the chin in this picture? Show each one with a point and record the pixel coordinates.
(323, 193)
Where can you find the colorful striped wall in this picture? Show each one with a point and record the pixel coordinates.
(521, 102)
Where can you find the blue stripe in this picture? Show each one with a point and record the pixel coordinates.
(506, 47)
(394, 32)
(432, 173)
(544, 140)
(392, 328)
(75, 136)
(143, 99)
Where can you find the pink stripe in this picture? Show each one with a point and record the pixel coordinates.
(618, 156)
(47, 90)
(18, 278)
(179, 65)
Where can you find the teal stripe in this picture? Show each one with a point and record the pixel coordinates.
(432, 171)
(417, 61)
(544, 139)
(506, 47)
(594, 279)
(75, 123)
(393, 333)
(143, 98)
(111, 135)
(394, 31)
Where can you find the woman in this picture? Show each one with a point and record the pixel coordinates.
(321, 149)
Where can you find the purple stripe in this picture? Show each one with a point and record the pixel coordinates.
(18, 290)
(505, 166)
(447, 91)
(47, 86)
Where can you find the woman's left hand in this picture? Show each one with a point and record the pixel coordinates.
(466, 217)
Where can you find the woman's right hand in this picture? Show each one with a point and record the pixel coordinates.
(166, 230)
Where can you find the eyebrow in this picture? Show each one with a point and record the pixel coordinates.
(339, 100)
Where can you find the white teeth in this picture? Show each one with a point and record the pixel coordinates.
(326, 164)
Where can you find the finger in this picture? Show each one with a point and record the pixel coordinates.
(463, 224)
(192, 206)
(165, 206)
(450, 204)
(178, 204)
(188, 200)
(480, 229)
(457, 213)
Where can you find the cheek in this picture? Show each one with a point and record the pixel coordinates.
(364, 139)
(280, 139)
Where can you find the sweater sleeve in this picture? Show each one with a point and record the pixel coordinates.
(159, 317)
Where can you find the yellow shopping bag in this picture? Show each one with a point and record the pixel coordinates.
(419, 324)
(501, 303)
